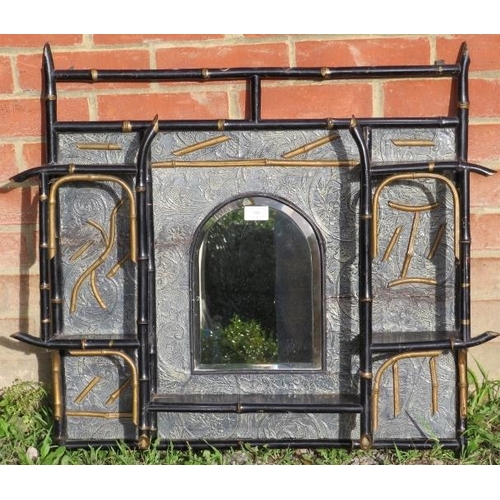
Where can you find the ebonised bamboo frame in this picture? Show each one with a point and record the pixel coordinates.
(360, 129)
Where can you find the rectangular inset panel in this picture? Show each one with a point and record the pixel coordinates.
(413, 145)
(98, 277)
(99, 398)
(98, 148)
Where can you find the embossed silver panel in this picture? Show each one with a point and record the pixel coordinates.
(258, 426)
(100, 386)
(102, 303)
(98, 148)
(413, 145)
(416, 418)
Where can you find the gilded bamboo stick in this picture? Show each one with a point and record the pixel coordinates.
(406, 281)
(98, 146)
(395, 389)
(98, 414)
(115, 394)
(95, 290)
(411, 245)
(412, 208)
(201, 145)
(311, 145)
(101, 230)
(81, 251)
(412, 142)
(462, 382)
(434, 384)
(87, 389)
(437, 241)
(111, 273)
(258, 162)
(392, 243)
(56, 385)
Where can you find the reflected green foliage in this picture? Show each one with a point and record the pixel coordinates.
(240, 269)
(239, 342)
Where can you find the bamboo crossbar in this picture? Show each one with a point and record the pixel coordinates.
(259, 162)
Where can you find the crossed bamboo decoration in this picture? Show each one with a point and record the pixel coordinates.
(393, 362)
(109, 239)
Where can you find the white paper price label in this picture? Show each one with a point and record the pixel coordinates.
(256, 213)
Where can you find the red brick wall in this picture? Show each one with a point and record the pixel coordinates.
(20, 130)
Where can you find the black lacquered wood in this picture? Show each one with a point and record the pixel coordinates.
(379, 170)
(325, 73)
(255, 98)
(464, 188)
(463, 296)
(76, 343)
(426, 341)
(152, 363)
(365, 296)
(44, 264)
(143, 275)
(238, 403)
(70, 168)
(49, 95)
(230, 125)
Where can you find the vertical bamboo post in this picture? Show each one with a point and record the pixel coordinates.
(365, 285)
(144, 297)
(462, 284)
(255, 98)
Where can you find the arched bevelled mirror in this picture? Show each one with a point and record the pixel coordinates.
(257, 288)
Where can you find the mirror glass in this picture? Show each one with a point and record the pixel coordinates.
(258, 288)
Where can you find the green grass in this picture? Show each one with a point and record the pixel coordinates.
(25, 438)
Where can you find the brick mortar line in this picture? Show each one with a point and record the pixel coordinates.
(485, 255)
(21, 139)
(483, 298)
(485, 210)
(483, 120)
(484, 74)
(188, 87)
(378, 99)
(164, 87)
(93, 107)
(16, 272)
(19, 157)
(16, 84)
(292, 54)
(18, 316)
(146, 46)
(432, 49)
(11, 228)
(231, 40)
(233, 103)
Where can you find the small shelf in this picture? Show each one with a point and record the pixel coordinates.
(236, 403)
(413, 341)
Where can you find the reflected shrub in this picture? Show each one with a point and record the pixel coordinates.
(240, 342)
